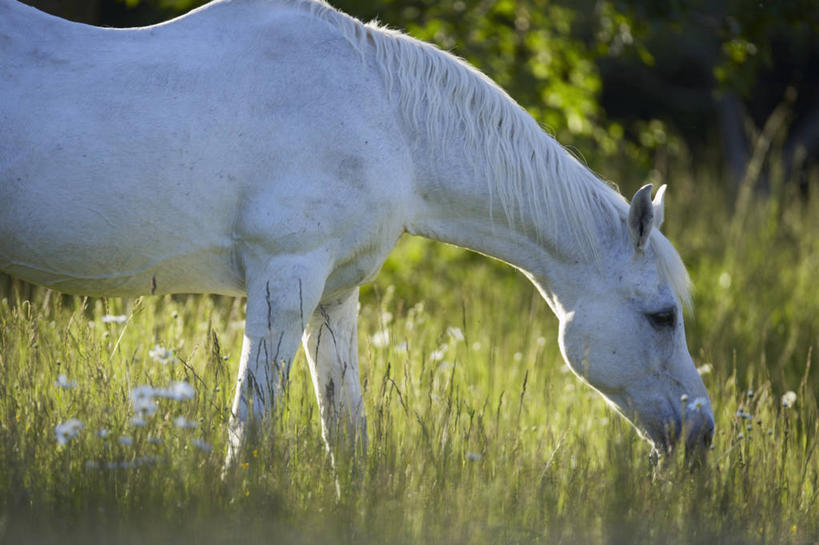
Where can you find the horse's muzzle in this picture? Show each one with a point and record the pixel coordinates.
(693, 426)
(698, 430)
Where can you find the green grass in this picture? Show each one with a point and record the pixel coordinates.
(478, 433)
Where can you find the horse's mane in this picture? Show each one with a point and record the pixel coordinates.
(449, 99)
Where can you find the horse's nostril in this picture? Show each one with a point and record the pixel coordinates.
(700, 425)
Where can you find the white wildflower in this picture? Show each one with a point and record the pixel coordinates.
(67, 430)
(145, 407)
(125, 440)
(517, 356)
(145, 460)
(143, 391)
(202, 445)
(402, 348)
(455, 333)
(103, 433)
(438, 355)
(137, 421)
(63, 382)
(114, 319)
(381, 338)
(161, 354)
(155, 441)
(386, 317)
(705, 368)
(142, 400)
(124, 464)
(788, 398)
(697, 403)
(541, 341)
(176, 391)
(183, 423)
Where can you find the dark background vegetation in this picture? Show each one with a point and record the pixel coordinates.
(613, 78)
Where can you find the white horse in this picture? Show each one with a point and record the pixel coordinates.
(278, 149)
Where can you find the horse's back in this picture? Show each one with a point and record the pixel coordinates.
(138, 156)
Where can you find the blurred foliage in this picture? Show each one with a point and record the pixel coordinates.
(715, 72)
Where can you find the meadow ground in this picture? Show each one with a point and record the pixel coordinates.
(478, 433)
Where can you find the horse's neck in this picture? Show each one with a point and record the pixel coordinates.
(459, 203)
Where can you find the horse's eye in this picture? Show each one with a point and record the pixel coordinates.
(663, 319)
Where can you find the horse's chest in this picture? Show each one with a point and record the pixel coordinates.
(366, 244)
(355, 272)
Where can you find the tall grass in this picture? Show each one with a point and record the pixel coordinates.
(478, 432)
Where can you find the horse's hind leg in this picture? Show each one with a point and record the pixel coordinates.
(331, 345)
(281, 295)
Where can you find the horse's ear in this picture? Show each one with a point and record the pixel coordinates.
(641, 217)
(659, 206)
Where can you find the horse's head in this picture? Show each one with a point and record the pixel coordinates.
(623, 332)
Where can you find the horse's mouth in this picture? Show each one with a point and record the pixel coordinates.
(691, 424)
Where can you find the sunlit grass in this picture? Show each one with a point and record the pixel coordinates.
(478, 432)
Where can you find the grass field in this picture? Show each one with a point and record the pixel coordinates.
(478, 432)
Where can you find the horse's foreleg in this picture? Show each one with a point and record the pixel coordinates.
(281, 296)
(331, 344)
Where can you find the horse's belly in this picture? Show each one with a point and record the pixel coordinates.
(193, 273)
(86, 255)
(176, 274)
(123, 223)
